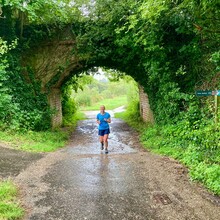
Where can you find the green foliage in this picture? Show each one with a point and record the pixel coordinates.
(41, 141)
(195, 144)
(103, 92)
(9, 207)
(215, 58)
(45, 12)
(22, 105)
(166, 46)
(162, 44)
(132, 113)
(69, 109)
(5, 98)
(69, 106)
(191, 140)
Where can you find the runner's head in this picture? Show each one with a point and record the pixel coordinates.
(102, 108)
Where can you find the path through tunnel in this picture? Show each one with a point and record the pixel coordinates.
(96, 87)
(170, 51)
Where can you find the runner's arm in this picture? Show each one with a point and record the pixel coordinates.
(108, 120)
(97, 120)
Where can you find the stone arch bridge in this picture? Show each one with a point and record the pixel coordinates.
(55, 61)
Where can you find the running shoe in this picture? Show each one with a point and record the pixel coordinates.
(102, 146)
(106, 151)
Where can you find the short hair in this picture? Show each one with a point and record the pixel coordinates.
(102, 106)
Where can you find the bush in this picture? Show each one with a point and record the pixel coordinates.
(192, 139)
(22, 105)
(196, 145)
(83, 99)
(69, 110)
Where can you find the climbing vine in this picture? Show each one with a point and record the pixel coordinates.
(170, 47)
(167, 46)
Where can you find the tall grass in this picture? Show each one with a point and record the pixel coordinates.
(46, 141)
(10, 209)
(196, 147)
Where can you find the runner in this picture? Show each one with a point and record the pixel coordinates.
(103, 119)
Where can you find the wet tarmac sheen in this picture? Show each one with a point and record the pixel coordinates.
(12, 161)
(81, 182)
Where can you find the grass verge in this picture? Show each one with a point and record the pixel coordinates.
(198, 149)
(45, 141)
(191, 150)
(10, 209)
(109, 103)
(132, 117)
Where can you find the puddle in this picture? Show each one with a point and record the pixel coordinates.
(86, 140)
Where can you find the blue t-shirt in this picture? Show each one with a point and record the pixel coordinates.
(103, 124)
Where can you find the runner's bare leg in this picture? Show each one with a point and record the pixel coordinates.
(101, 139)
(106, 141)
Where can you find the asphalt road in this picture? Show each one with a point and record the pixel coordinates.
(80, 182)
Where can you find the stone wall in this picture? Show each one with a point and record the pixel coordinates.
(54, 61)
(54, 99)
(145, 110)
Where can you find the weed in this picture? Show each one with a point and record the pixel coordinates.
(9, 207)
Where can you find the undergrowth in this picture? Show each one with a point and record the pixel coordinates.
(194, 143)
(45, 141)
(10, 209)
(41, 141)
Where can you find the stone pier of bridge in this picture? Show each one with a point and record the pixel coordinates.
(54, 99)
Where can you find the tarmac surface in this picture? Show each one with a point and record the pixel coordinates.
(80, 182)
(13, 162)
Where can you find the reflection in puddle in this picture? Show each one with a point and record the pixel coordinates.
(85, 140)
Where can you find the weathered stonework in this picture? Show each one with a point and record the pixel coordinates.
(145, 110)
(54, 99)
(53, 61)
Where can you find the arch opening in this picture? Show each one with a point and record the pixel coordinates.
(58, 62)
(101, 86)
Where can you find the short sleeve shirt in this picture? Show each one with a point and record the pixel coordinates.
(103, 124)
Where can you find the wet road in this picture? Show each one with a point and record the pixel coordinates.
(81, 182)
(13, 162)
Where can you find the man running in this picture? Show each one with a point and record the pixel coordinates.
(103, 119)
